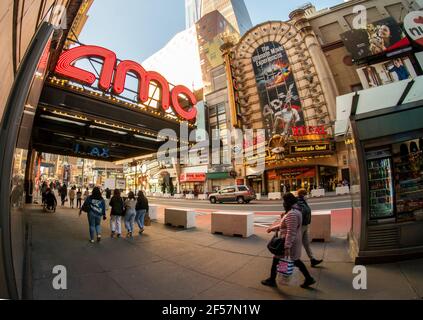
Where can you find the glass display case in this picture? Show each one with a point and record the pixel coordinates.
(408, 177)
(381, 191)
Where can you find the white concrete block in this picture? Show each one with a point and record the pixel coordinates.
(180, 218)
(275, 196)
(318, 192)
(342, 190)
(320, 228)
(202, 197)
(155, 211)
(233, 223)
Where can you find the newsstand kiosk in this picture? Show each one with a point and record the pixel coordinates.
(387, 128)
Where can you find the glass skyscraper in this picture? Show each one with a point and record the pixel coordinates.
(192, 12)
(234, 11)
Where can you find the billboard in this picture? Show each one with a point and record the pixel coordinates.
(386, 72)
(278, 93)
(379, 37)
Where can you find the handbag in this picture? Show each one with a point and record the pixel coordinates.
(147, 220)
(276, 245)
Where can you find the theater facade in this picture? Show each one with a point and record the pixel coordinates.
(283, 84)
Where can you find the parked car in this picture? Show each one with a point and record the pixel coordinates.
(240, 194)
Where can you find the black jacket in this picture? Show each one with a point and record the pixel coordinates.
(117, 205)
(305, 210)
(142, 204)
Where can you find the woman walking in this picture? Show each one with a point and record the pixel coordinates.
(72, 194)
(118, 206)
(79, 198)
(96, 207)
(63, 193)
(141, 209)
(130, 214)
(290, 229)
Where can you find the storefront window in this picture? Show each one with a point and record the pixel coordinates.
(408, 179)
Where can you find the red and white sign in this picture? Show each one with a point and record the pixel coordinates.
(413, 25)
(116, 79)
(192, 177)
(309, 131)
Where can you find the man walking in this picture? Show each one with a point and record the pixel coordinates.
(306, 212)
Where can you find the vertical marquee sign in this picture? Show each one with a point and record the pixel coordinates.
(279, 99)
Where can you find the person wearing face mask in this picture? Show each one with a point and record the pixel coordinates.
(306, 213)
(290, 230)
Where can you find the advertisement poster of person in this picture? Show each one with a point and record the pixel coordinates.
(386, 72)
(278, 92)
(379, 37)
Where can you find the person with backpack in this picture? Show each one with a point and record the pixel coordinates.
(141, 210)
(130, 214)
(116, 214)
(95, 206)
(305, 230)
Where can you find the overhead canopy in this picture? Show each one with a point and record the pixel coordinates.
(74, 123)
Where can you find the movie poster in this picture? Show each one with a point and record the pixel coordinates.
(278, 92)
(379, 37)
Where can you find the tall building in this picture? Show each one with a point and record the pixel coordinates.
(192, 12)
(235, 11)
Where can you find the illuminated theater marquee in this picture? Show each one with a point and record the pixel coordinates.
(109, 78)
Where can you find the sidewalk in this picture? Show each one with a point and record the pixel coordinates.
(174, 264)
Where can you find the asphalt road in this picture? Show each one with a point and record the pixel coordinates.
(340, 202)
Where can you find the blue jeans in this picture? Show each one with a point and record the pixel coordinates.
(129, 219)
(139, 218)
(94, 222)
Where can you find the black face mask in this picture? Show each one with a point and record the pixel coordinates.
(285, 207)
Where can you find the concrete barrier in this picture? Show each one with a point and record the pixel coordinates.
(155, 211)
(318, 193)
(190, 196)
(258, 196)
(178, 196)
(202, 197)
(275, 196)
(342, 190)
(238, 224)
(167, 195)
(320, 228)
(180, 218)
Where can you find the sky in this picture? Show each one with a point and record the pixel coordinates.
(136, 29)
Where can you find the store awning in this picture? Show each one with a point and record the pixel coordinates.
(218, 175)
(381, 101)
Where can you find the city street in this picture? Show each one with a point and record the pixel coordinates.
(339, 202)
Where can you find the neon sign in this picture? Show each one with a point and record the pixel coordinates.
(115, 80)
(309, 131)
(92, 151)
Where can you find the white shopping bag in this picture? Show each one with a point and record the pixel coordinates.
(294, 280)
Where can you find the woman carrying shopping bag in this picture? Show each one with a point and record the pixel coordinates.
(290, 232)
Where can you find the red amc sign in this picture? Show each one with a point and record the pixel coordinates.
(116, 79)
